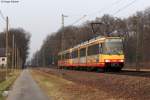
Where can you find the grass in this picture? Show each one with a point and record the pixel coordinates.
(5, 85)
(52, 85)
(2, 75)
(58, 88)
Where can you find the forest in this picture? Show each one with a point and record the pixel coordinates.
(135, 31)
(19, 39)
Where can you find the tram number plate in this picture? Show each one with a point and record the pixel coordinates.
(114, 64)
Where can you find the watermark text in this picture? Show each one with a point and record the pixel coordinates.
(9, 1)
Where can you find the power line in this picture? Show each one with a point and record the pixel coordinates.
(106, 7)
(126, 6)
(112, 4)
(2, 16)
(78, 20)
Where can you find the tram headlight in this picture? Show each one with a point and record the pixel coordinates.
(107, 60)
(122, 60)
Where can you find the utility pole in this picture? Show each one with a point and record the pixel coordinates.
(43, 53)
(15, 57)
(13, 42)
(37, 59)
(62, 36)
(137, 46)
(7, 48)
(142, 42)
(18, 59)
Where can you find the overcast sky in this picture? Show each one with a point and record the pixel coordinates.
(42, 17)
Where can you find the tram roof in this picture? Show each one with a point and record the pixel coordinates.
(99, 38)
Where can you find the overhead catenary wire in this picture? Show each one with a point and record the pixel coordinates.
(4, 19)
(104, 8)
(2, 16)
(78, 20)
(124, 7)
(112, 4)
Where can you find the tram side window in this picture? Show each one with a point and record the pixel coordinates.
(83, 52)
(63, 56)
(74, 54)
(100, 48)
(67, 56)
(59, 57)
(93, 50)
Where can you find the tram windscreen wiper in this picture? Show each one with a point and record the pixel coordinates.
(116, 51)
(113, 52)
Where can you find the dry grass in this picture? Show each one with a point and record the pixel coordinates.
(3, 74)
(6, 84)
(61, 89)
(119, 86)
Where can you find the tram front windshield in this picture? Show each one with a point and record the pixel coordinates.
(113, 46)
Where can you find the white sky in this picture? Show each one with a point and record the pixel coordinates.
(42, 17)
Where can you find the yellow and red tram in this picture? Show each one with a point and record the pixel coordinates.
(98, 53)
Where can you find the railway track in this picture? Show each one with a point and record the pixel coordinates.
(129, 72)
(132, 73)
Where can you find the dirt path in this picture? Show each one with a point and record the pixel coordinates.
(25, 88)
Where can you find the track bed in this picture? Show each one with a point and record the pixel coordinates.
(128, 85)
